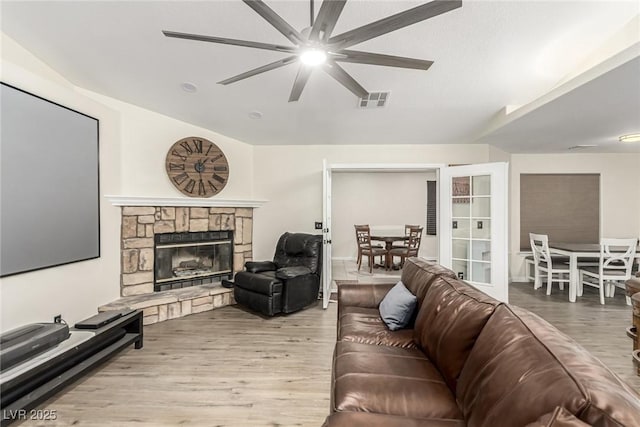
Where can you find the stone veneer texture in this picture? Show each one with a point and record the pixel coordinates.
(141, 223)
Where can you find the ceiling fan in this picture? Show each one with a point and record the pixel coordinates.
(315, 46)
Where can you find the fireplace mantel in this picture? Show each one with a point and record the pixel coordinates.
(183, 202)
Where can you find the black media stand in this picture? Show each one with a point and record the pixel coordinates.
(25, 386)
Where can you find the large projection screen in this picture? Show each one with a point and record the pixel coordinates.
(49, 186)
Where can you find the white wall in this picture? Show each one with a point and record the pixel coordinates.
(146, 139)
(290, 178)
(619, 192)
(497, 155)
(133, 146)
(384, 200)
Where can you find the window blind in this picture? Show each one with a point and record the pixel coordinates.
(564, 206)
(431, 208)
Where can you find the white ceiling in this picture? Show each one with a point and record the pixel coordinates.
(488, 55)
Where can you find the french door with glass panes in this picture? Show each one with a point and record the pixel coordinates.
(473, 225)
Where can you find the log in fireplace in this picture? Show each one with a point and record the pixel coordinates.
(191, 259)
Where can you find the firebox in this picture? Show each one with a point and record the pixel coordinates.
(190, 259)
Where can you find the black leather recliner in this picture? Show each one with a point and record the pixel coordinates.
(289, 283)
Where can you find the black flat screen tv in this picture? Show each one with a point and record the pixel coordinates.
(49, 184)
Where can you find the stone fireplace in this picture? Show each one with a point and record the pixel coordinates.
(202, 244)
(142, 225)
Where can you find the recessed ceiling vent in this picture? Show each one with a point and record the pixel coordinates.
(374, 100)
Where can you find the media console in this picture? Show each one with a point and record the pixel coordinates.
(24, 386)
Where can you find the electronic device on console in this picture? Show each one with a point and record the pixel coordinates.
(25, 342)
(101, 319)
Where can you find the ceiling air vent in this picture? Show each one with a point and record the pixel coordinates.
(374, 100)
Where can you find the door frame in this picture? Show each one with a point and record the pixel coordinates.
(327, 170)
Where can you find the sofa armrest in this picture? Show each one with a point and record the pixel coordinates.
(286, 273)
(259, 266)
(366, 295)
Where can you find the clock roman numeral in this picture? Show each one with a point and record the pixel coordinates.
(201, 188)
(198, 145)
(209, 149)
(187, 147)
(213, 187)
(220, 168)
(190, 186)
(176, 166)
(219, 156)
(218, 178)
(179, 179)
(175, 153)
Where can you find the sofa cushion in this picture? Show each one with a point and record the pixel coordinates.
(396, 308)
(560, 417)
(418, 274)
(521, 368)
(450, 320)
(363, 419)
(354, 347)
(389, 380)
(364, 325)
(602, 388)
(362, 294)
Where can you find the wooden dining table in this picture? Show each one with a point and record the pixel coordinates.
(389, 240)
(575, 251)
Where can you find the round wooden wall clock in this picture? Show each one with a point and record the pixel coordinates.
(197, 167)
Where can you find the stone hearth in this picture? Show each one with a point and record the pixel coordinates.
(160, 306)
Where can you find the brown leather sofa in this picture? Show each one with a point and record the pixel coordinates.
(467, 360)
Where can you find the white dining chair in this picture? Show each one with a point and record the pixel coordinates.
(613, 269)
(555, 269)
(529, 269)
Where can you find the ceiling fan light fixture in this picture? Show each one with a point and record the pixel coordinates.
(313, 57)
(632, 137)
(317, 45)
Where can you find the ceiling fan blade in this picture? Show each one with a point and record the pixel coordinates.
(357, 57)
(275, 20)
(221, 40)
(338, 73)
(393, 22)
(327, 17)
(268, 67)
(301, 80)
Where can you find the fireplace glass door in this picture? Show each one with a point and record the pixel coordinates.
(190, 260)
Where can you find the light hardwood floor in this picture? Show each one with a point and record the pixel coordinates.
(226, 367)
(230, 367)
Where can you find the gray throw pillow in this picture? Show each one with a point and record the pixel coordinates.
(396, 308)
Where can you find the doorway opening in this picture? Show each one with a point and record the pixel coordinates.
(385, 196)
